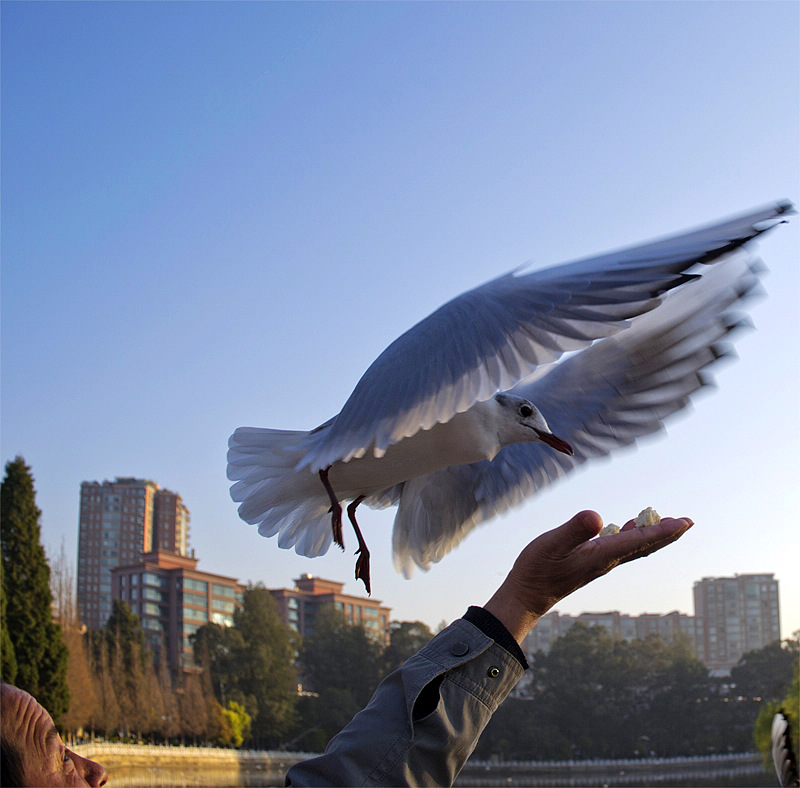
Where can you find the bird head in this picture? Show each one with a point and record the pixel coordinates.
(522, 422)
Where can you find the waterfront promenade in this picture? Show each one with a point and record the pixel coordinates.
(169, 766)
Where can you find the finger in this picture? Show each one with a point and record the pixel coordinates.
(632, 542)
(641, 542)
(563, 540)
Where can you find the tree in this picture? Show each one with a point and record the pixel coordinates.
(579, 692)
(235, 725)
(169, 724)
(39, 649)
(264, 663)
(790, 706)
(194, 710)
(765, 673)
(79, 676)
(252, 663)
(130, 663)
(594, 696)
(8, 660)
(343, 667)
(406, 639)
(106, 715)
(673, 679)
(214, 648)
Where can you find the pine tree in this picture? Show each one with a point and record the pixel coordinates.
(8, 660)
(38, 646)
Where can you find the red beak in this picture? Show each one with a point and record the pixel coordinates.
(554, 442)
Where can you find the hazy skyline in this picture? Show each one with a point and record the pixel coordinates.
(218, 214)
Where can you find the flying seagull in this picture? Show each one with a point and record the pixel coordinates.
(467, 413)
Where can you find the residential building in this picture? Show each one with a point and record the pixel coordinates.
(620, 626)
(732, 615)
(173, 599)
(735, 615)
(298, 607)
(118, 522)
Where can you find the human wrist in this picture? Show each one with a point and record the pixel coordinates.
(492, 627)
(508, 607)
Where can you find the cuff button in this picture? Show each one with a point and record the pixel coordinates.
(459, 648)
(493, 672)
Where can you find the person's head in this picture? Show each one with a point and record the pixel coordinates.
(31, 751)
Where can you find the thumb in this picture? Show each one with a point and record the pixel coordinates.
(581, 528)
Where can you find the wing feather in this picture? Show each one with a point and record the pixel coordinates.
(600, 400)
(487, 338)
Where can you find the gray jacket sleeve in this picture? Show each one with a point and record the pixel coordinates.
(424, 720)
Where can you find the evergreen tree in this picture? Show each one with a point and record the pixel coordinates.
(38, 646)
(252, 663)
(264, 666)
(342, 666)
(8, 661)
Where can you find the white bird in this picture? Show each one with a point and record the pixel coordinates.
(447, 423)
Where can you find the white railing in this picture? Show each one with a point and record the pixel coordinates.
(112, 748)
(109, 748)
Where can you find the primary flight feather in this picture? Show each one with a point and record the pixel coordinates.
(452, 422)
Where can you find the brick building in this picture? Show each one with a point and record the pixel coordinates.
(298, 606)
(173, 599)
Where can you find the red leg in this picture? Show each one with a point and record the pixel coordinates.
(336, 509)
(362, 564)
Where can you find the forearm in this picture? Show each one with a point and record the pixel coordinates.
(424, 720)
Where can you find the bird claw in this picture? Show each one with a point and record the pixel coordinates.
(362, 568)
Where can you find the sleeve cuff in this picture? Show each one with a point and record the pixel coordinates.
(493, 628)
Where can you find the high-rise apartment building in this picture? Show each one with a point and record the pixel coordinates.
(735, 615)
(118, 522)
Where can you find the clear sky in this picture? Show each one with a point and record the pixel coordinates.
(218, 214)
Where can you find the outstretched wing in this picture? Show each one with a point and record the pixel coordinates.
(489, 338)
(599, 400)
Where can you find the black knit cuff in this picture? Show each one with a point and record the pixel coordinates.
(493, 628)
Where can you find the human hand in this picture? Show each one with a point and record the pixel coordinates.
(562, 560)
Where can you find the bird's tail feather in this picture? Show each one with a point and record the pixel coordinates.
(273, 495)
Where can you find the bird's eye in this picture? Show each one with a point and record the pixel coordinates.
(525, 411)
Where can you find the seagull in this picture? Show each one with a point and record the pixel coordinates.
(502, 391)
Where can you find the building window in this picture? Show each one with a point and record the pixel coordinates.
(222, 620)
(195, 585)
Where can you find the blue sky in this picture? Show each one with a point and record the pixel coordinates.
(218, 214)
